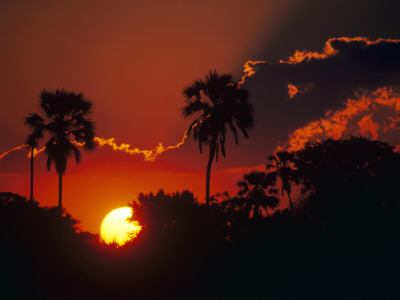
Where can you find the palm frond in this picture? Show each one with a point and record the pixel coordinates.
(234, 132)
(76, 152)
(221, 105)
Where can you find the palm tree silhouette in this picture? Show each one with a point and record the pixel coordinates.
(37, 125)
(68, 124)
(255, 188)
(280, 162)
(221, 105)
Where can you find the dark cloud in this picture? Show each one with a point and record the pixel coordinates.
(312, 22)
(329, 78)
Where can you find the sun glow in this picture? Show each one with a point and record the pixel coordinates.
(116, 228)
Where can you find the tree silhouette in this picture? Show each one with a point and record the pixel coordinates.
(348, 179)
(37, 125)
(163, 211)
(68, 124)
(281, 164)
(221, 105)
(254, 187)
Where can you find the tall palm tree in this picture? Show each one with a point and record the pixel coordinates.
(68, 124)
(281, 164)
(256, 188)
(220, 104)
(37, 125)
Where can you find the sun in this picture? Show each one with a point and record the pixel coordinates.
(116, 228)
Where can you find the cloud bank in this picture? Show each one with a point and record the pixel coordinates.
(350, 87)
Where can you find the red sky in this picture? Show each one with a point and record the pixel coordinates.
(133, 59)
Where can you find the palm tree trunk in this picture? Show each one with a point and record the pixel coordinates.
(31, 198)
(208, 173)
(290, 203)
(60, 191)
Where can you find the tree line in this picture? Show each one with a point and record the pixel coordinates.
(341, 235)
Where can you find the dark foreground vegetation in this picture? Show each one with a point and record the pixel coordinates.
(339, 241)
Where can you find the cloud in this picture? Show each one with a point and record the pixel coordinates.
(320, 93)
(375, 115)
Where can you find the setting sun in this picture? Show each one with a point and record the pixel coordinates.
(116, 227)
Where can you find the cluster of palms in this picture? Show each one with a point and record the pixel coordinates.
(223, 106)
(66, 124)
(257, 189)
(219, 101)
(218, 104)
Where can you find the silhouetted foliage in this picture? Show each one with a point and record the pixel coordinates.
(341, 242)
(348, 179)
(281, 167)
(222, 106)
(68, 123)
(256, 188)
(177, 215)
(41, 250)
(164, 211)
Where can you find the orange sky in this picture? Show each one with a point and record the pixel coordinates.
(133, 59)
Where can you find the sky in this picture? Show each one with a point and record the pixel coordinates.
(133, 59)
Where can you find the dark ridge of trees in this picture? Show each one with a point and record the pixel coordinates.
(40, 252)
(340, 242)
(355, 179)
(222, 106)
(67, 122)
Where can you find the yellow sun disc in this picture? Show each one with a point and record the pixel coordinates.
(116, 228)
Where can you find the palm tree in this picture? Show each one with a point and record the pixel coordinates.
(37, 125)
(221, 104)
(68, 124)
(255, 188)
(280, 162)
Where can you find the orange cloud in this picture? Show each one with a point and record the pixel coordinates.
(367, 126)
(149, 155)
(329, 50)
(393, 123)
(11, 150)
(292, 90)
(356, 118)
(248, 69)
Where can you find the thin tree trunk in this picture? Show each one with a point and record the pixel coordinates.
(290, 203)
(31, 198)
(60, 191)
(208, 173)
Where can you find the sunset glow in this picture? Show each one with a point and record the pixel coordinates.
(199, 149)
(129, 145)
